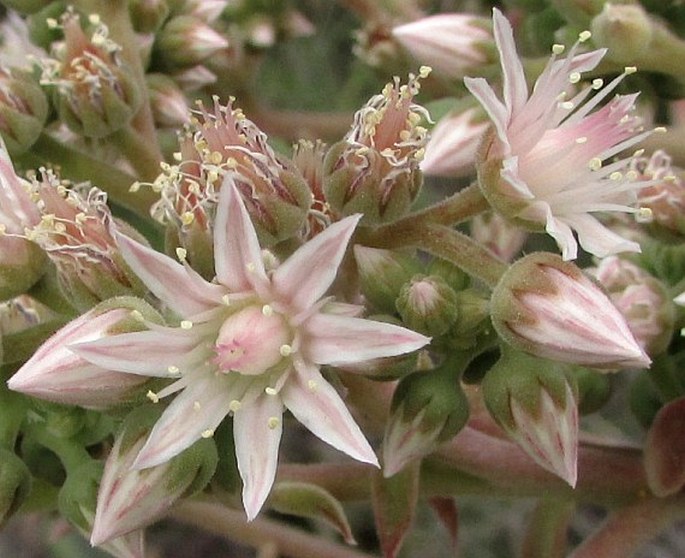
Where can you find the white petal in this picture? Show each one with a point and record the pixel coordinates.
(314, 402)
(497, 112)
(515, 86)
(340, 340)
(257, 429)
(195, 412)
(598, 239)
(237, 255)
(168, 279)
(306, 275)
(562, 233)
(148, 353)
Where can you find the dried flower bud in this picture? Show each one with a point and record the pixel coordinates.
(533, 401)
(56, 373)
(642, 299)
(454, 45)
(428, 408)
(95, 92)
(375, 169)
(427, 304)
(549, 308)
(186, 41)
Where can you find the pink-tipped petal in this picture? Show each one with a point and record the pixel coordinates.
(195, 413)
(305, 277)
(314, 402)
(148, 353)
(238, 258)
(497, 112)
(340, 340)
(168, 280)
(515, 87)
(257, 429)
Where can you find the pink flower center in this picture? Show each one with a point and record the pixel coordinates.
(251, 341)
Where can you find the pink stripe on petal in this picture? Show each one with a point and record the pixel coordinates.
(237, 255)
(167, 279)
(314, 402)
(148, 353)
(338, 340)
(306, 275)
(195, 412)
(257, 429)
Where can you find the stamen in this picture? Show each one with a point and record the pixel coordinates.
(152, 396)
(234, 405)
(267, 310)
(181, 254)
(273, 422)
(584, 36)
(196, 405)
(644, 215)
(558, 49)
(270, 391)
(312, 385)
(285, 350)
(595, 164)
(207, 433)
(173, 370)
(186, 324)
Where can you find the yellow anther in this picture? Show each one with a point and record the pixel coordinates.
(273, 422)
(574, 77)
(178, 156)
(187, 218)
(181, 254)
(312, 385)
(196, 405)
(186, 324)
(581, 140)
(558, 49)
(234, 405)
(207, 433)
(173, 370)
(595, 164)
(629, 70)
(285, 350)
(267, 310)
(616, 176)
(424, 71)
(584, 36)
(152, 396)
(597, 83)
(270, 391)
(644, 215)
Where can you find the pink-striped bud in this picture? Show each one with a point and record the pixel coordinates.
(549, 308)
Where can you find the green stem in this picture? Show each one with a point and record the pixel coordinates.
(143, 158)
(461, 250)
(628, 529)
(289, 541)
(79, 166)
(456, 209)
(115, 14)
(547, 530)
(13, 410)
(71, 454)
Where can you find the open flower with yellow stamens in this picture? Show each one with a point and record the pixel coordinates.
(549, 163)
(249, 343)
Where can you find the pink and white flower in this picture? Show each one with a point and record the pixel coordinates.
(549, 163)
(250, 343)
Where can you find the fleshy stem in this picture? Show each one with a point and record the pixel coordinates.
(71, 454)
(13, 412)
(547, 527)
(79, 166)
(226, 522)
(116, 15)
(144, 158)
(628, 529)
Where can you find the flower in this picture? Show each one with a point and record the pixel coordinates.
(544, 164)
(250, 343)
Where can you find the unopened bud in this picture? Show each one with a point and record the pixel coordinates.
(501, 237)
(382, 274)
(624, 29)
(549, 308)
(147, 15)
(427, 304)
(454, 45)
(168, 103)
(23, 110)
(428, 408)
(533, 401)
(56, 373)
(186, 41)
(664, 449)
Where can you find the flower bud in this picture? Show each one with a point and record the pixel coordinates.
(95, 92)
(130, 499)
(147, 16)
(454, 141)
(194, 78)
(472, 319)
(375, 169)
(664, 449)
(549, 308)
(186, 41)
(624, 29)
(427, 304)
(454, 45)
(453, 276)
(23, 110)
(168, 103)
(533, 401)
(58, 374)
(496, 233)
(15, 484)
(382, 274)
(76, 501)
(428, 408)
(642, 299)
